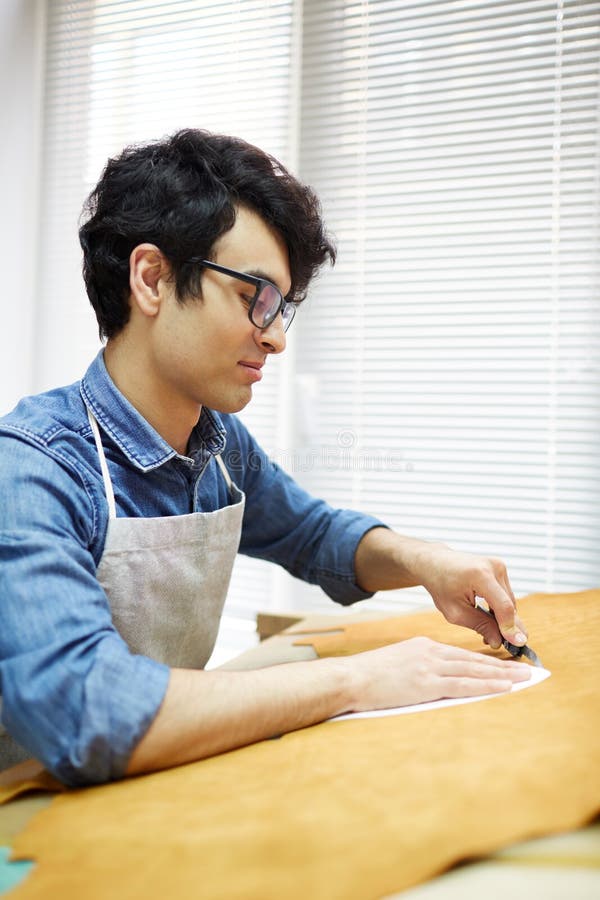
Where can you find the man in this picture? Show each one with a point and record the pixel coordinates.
(126, 496)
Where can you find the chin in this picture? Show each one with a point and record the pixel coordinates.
(232, 404)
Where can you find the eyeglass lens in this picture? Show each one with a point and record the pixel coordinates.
(267, 307)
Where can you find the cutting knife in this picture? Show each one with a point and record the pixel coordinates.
(515, 651)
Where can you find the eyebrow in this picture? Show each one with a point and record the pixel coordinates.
(260, 273)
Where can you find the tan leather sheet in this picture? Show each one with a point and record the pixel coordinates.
(25, 777)
(352, 809)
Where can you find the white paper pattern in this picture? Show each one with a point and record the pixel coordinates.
(537, 675)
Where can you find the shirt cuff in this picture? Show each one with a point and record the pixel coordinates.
(338, 577)
(111, 731)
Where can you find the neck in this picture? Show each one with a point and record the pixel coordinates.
(169, 414)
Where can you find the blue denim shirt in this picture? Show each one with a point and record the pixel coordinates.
(72, 693)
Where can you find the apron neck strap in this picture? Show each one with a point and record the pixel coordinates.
(108, 488)
(226, 474)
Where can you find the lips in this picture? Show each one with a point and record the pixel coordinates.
(252, 369)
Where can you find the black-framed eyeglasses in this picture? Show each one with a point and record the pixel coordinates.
(267, 301)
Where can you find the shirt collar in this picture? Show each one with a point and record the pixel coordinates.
(137, 439)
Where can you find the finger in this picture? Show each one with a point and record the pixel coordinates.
(504, 579)
(449, 651)
(504, 610)
(454, 687)
(458, 657)
(519, 624)
(512, 671)
(483, 624)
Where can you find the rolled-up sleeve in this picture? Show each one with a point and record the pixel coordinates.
(73, 695)
(286, 525)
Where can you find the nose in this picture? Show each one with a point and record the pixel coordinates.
(271, 339)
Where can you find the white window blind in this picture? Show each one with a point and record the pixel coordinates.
(134, 70)
(445, 374)
(453, 354)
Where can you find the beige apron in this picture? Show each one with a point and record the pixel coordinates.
(166, 580)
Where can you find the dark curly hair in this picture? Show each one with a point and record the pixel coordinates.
(181, 193)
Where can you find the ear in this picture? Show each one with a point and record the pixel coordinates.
(148, 272)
